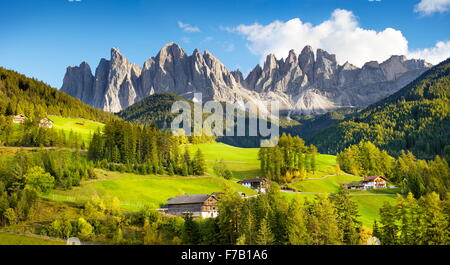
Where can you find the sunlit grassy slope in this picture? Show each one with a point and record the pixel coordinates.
(368, 205)
(329, 184)
(17, 240)
(244, 161)
(134, 191)
(85, 128)
(245, 164)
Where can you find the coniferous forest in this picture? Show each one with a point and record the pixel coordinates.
(416, 118)
(64, 161)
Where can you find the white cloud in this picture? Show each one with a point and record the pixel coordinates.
(74, 0)
(428, 7)
(187, 27)
(434, 55)
(340, 34)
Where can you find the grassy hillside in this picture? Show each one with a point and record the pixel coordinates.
(18, 240)
(368, 204)
(416, 118)
(23, 95)
(135, 191)
(329, 184)
(84, 128)
(243, 162)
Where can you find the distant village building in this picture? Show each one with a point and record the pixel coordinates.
(258, 184)
(19, 118)
(369, 183)
(199, 205)
(46, 123)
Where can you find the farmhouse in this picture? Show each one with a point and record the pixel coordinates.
(46, 123)
(199, 205)
(369, 183)
(258, 184)
(19, 118)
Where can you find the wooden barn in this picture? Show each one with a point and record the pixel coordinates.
(199, 205)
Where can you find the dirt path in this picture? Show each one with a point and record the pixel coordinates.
(324, 177)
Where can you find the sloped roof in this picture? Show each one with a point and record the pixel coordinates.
(188, 199)
(368, 179)
(251, 180)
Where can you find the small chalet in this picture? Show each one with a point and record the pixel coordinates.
(46, 123)
(199, 205)
(19, 118)
(369, 183)
(258, 184)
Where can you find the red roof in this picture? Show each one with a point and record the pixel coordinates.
(369, 179)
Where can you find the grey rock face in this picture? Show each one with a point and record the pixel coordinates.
(113, 88)
(319, 85)
(305, 83)
(77, 79)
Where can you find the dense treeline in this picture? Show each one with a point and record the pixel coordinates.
(27, 175)
(268, 219)
(155, 109)
(289, 159)
(102, 220)
(22, 95)
(416, 118)
(273, 219)
(414, 222)
(30, 134)
(143, 149)
(413, 175)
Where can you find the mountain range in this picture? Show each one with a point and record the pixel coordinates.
(415, 118)
(308, 83)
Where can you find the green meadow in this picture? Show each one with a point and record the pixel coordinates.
(368, 205)
(243, 162)
(135, 191)
(18, 240)
(328, 184)
(85, 128)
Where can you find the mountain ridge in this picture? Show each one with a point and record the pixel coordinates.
(415, 118)
(307, 83)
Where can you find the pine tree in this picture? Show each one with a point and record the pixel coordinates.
(297, 224)
(265, 236)
(347, 211)
(191, 233)
(199, 166)
(389, 228)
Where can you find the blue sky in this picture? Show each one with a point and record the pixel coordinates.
(40, 38)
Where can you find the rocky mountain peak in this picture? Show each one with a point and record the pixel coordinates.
(238, 76)
(324, 55)
(371, 64)
(271, 63)
(292, 57)
(307, 83)
(170, 52)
